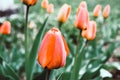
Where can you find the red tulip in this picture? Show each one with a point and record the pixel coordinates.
(50, 8)
(53, 50)
(90, 32)
(64, 13)
(44, 4)
(106, 11)
(82, 18)
(5, 28)
(97, 10)
(29, 2)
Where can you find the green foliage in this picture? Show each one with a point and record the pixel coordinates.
(33, 54)
(84, 64)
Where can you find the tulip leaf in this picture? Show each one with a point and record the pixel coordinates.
(104, 73)
(78, 61)
(92, 69)
(7, 71)
(33, 54)
(64, 76)
(110, 50)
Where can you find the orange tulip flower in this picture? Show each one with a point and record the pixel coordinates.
(83, 4)
(106, 11)
(53, 50)
(90, 32)
(50, 8)
(82, 18)
(64, 13)
(97, 10)
(44, 4)
(5, 28)
(29, 2)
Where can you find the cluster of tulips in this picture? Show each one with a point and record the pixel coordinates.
(98, 9)
(53, 49)
(54, 56)
(49, 7)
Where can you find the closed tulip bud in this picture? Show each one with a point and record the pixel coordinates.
(82, 18)
(29, 2)
(90, 32)
(64, 13)
(106, 11)
(44, 4)
(50, 8)
(97, 10)
(5, 28)
(53, 50)
(83, 4)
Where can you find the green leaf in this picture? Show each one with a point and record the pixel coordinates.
(78, 61)
(110, 50)
(33, 54)
(92, 69)
(9, 72)
(104, 73)
(64, 76)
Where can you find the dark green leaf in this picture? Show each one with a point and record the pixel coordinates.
(92, 69)
(33, 54)
(9, 72)
(64, 76)
(110, 50)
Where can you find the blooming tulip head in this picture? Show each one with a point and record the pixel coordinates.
(64, 13)
(29, 2)
(50, 8)
(83, 4)
(82, 18)
(5, 28)
(44, 4)
(97, 10)
(106, 11)
(53, 50)
(90, 32)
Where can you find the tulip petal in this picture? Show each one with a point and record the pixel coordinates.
(59, 54)
(46, 49)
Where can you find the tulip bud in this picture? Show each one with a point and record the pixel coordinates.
(64, 13)
(29, 2)
(106, 11)
(44, 4)
(83, 4)
(5, 28)
(97, 10)
(82, 18)
(53, 50)
(50, 8)
(90, 32)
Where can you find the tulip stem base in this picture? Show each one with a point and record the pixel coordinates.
(47, 76)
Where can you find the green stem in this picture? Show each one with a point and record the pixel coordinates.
(78, 42)
(26, 31)
(78, 60)
(47, 74)
(60, 25)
